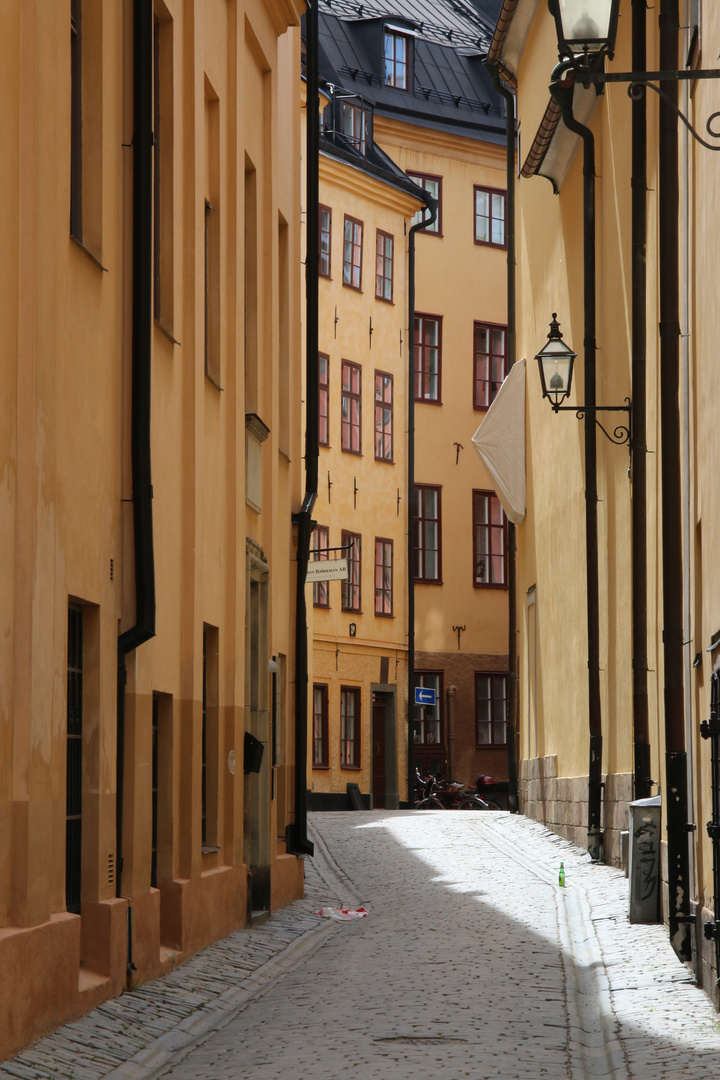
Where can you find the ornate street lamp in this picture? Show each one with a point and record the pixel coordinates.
(555, 361)
(585, 27)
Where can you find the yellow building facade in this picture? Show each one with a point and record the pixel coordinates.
(359, 625)
(412, 91)
(653, 703)
(151, 410)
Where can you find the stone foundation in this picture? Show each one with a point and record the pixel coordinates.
(561, 803)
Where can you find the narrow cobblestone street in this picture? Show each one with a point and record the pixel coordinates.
(472, 962)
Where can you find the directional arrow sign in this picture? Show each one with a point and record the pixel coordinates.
(425, 696)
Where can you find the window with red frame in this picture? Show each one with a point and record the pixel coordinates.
(396, 60)
(490, 709)
(323, 399)
(325, 240)
(490, 363)
(350, 727)
(320, 543)
(384, 266)
(428, 357)
(427, 533)
(383, 576)
(320, 748)
(351, 433)
(489, 217)
(489, 540)
(383, 416)
(351, 587)
(433, 186)
(352, 253)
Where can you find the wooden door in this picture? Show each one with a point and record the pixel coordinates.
(378, 756)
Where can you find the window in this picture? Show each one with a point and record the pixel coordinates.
(427, 729)
(490, 709)
(351, 436)
(350, 734)
(212, 235)
(396, 60)
(383, 416)
(323, 399)
(86, 125)
(427, 533)
(489, 363)
(73, 767)
(351, 587)
(325, 238)
(427, 357)
(320, 756)
(489, 217)
(383, 576)
(352, 253)
(489, 536)
(163, 274)
(433, 186)
(320, 542)
(384, 266)
(354, 124)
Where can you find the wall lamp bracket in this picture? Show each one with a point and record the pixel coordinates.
(620, 435)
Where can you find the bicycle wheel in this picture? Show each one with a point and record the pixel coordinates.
(473, 803)
(493, 804)
(430, 803)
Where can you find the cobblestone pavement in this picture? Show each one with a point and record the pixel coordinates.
(472, 962)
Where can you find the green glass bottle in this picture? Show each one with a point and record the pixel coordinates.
(561, 876)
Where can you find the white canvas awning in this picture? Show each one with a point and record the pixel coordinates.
(500, 442)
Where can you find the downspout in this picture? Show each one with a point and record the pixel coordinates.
(562, 92)
(423, 223)
(687, 507)
(450, 695)
(641, 731)
(144, 626)
(679, 916)
(297, 842)
(513, 694)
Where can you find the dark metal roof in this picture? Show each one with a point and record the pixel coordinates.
(451, 90)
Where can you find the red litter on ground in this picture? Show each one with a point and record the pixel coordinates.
(343, 914)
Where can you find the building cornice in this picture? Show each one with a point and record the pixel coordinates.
(284, 13)
(345, 176)
(428, 141)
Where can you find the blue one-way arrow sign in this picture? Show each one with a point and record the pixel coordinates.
(424, 695)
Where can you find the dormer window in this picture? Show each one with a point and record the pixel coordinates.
(353, 123)
(396, 59)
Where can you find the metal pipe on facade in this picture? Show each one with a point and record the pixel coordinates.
(297, 838)
(512, 694)
(562, 92)
(641, 732)
(679, 915)
(144, 627)
(423, 223)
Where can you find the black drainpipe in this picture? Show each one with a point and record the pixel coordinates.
(641, 732)
(144, 627)
(562, 92)
(679, 916)
(297, 842)
(513, 695)
(422, 224)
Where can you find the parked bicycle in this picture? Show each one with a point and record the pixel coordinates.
(441, 794)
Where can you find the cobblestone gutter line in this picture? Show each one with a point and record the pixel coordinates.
(142, 1033)
(594, 1048)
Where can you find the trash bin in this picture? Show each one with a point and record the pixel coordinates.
(645, 860)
